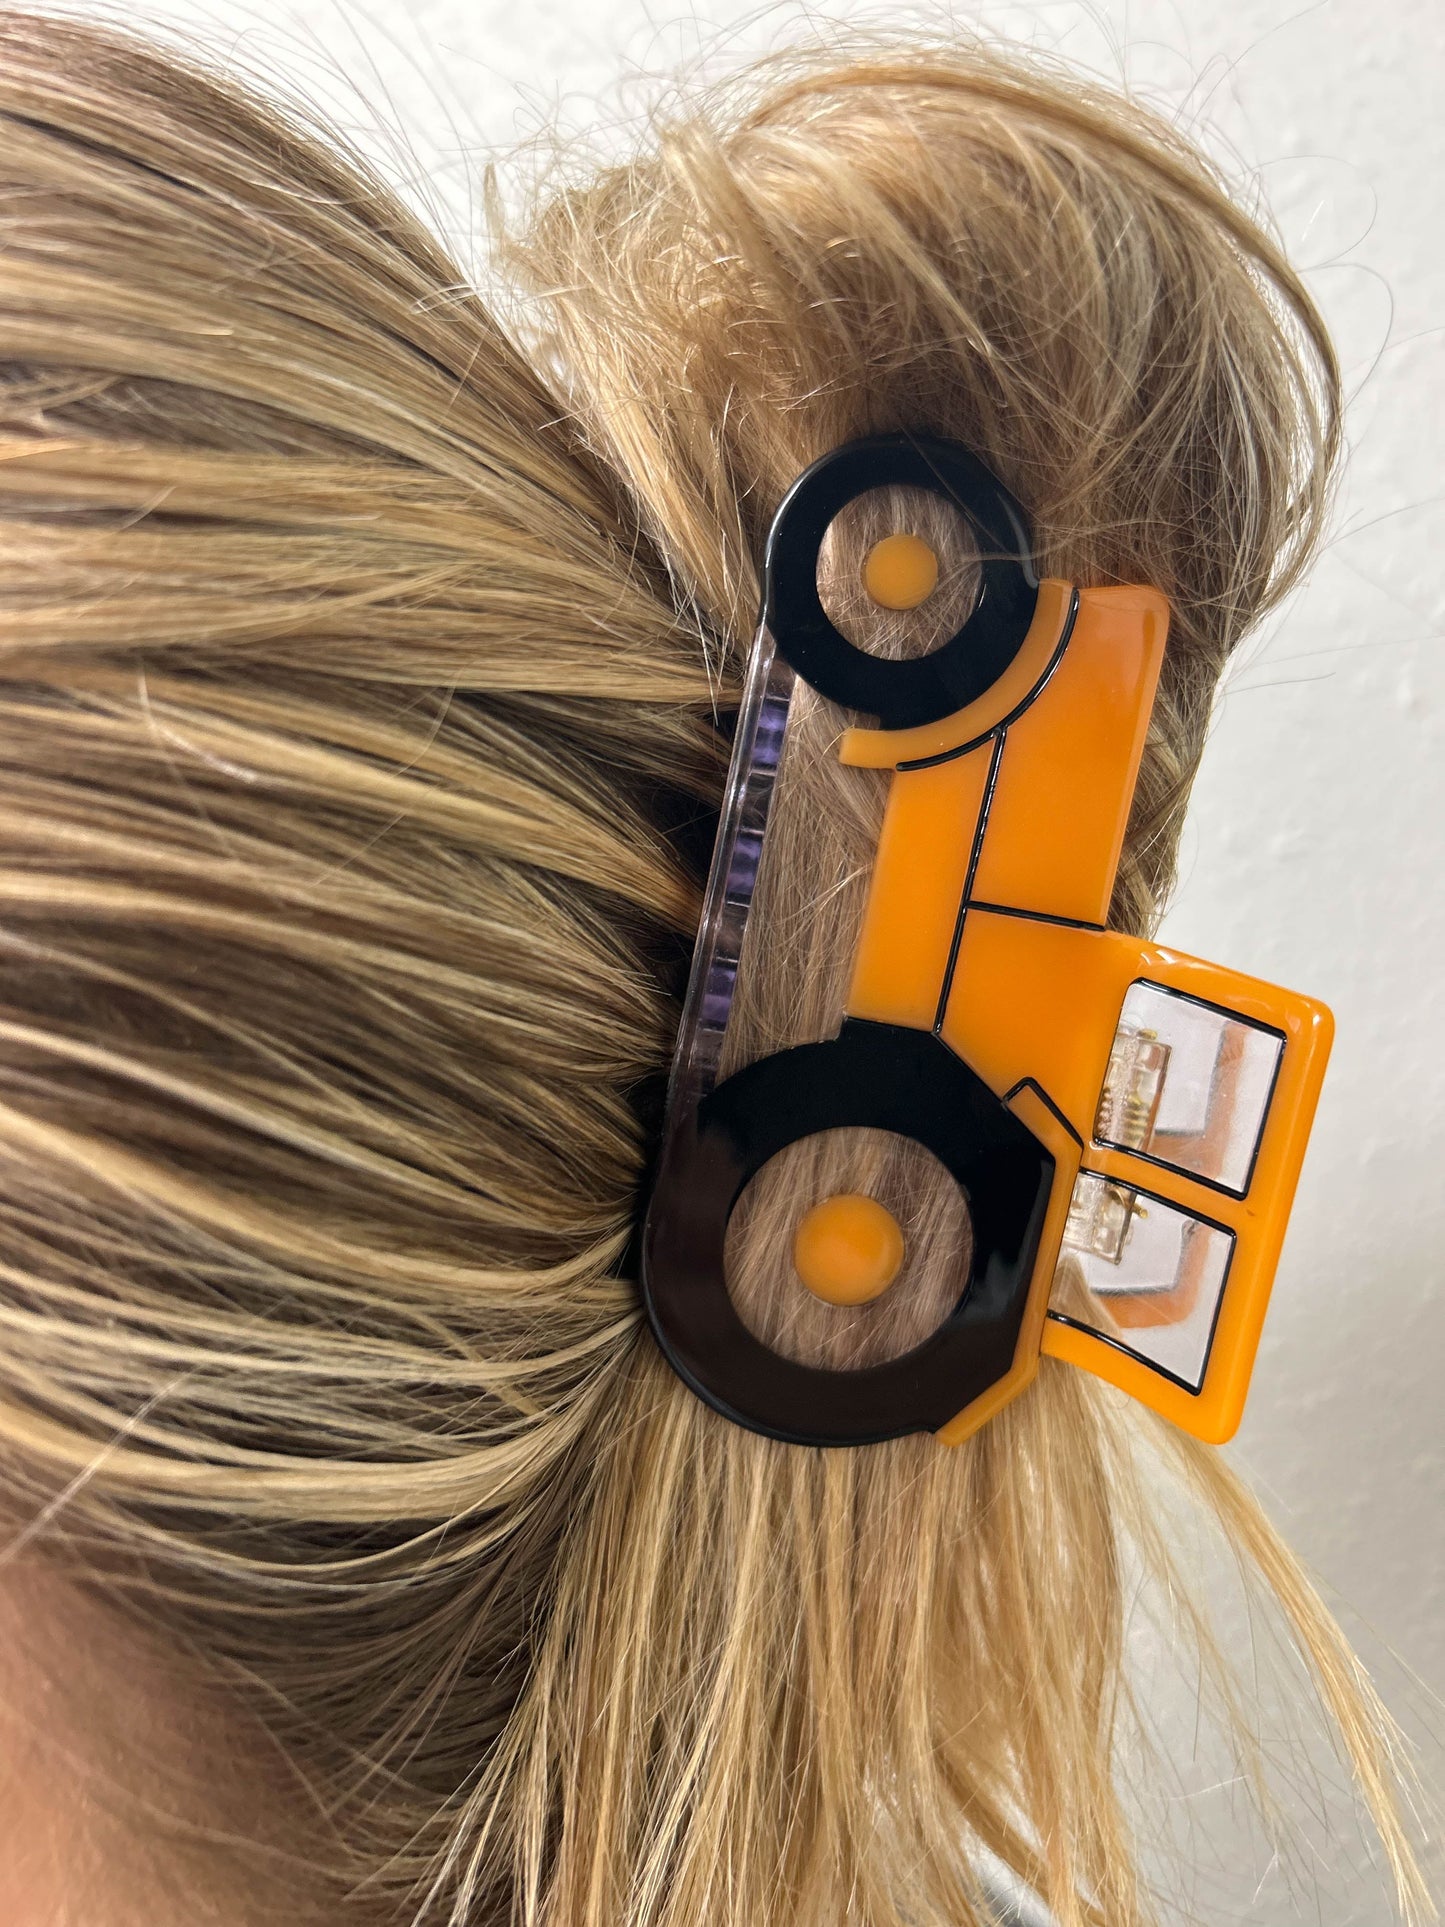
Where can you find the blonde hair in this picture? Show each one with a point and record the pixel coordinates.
(357, 678)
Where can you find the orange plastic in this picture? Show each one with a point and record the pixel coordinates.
(1029, 1106)
(918, 882)
(848, 1249)
(1061, 800)
(1006, 1016)
(887, 748)
(900, 572)
(984, 921)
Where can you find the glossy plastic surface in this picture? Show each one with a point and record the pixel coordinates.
(900, 572)
(1127, 1123)
(848, 1249)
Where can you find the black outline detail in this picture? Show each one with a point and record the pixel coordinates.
(964, 902)
(919, 689)
(1007, 722)
(1106, 1338)
(891, 1077)
(1033, 1084)
(1233, 1017)
(1159, 1371)
(1036, 916)
(883, 1076)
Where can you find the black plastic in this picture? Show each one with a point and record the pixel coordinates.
(871, 1075)
(921, 689)
(889, 1078)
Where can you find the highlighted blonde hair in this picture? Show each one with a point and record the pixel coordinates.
(357, 683)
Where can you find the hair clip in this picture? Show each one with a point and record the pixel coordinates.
(1126, 1123)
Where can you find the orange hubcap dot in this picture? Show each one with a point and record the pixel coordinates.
(900, 572)
(848, 1249)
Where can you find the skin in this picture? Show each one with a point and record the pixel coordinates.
(111, 1805)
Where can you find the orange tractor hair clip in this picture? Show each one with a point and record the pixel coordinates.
(1127, 1124)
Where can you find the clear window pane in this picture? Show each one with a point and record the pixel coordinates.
(1188, 1084)
(1143, 1275)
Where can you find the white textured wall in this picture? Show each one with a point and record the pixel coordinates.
(1316, 844)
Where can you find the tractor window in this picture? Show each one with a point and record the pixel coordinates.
(1143, 1275)
(1188, 1085)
